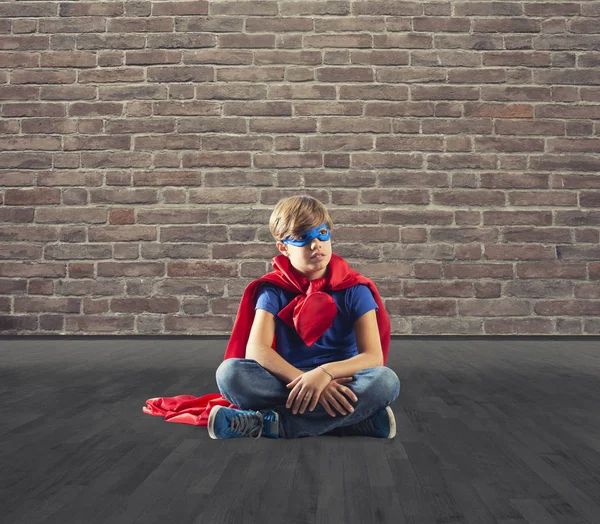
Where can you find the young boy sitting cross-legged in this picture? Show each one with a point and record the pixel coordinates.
(315, 356)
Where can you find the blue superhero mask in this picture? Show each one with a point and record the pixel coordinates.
(321, 232)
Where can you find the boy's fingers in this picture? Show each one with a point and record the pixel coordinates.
(352, 395)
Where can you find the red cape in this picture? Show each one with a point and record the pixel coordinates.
(311, 312)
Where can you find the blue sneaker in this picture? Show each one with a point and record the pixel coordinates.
(380, 425)
(233, 423)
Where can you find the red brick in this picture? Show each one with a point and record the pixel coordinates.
(91, 305)
(122, 216)
(23, 43)
(43, 76)
(97, 142)
(106, 75)
(150, 323)
(23, 25)
(173, 215)
(75, 196)
(72, 234)
(191, 286)
(35, 304)
(110, 59)
(48, 125)
(130, 269)
(121, 233)
(25, 160)
(37, 196)
(128, 250)
(143, 92)
(137, 25)
(103, 42)
(180, 73)
(179, 8)
(71, 215)
(40, 287)
(40, 143)
(66, 160)
(152, 250)
(52, 322)
(92, 9)
(200, 325)
(141, 125)
(90, 287)
(140, 305)
(96, 109)
(73, 25)
(81, 270)
(223, 195)
(19, 60)
(10, 286)
(173, 196)
(100, 324)
(195, 306)
(32, 269)
(118, 178)
(225, 306)
(167, 178)
(124, 196)
(20, 251)
(200, 269)
(37, 109)
(28, 233)
(154, 56)
(77, 251)
(16, 214)
(211, 233)
(10, 323)
(68, 59)
(180, 141)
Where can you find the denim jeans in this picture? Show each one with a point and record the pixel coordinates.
(245, 383)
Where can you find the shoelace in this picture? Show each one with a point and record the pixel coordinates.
(245, 423)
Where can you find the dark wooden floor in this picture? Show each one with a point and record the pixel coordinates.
(489, 431)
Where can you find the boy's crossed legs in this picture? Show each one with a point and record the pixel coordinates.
(245, 383)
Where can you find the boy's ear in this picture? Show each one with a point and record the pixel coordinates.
(279, 245)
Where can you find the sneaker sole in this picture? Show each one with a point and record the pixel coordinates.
(211, 421)
(392, 420)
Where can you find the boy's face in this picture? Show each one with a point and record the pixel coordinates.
(303, 259)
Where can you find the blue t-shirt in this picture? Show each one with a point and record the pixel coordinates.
(337, 343)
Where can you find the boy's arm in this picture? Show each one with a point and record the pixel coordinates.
(273, 362)
(259, 348)
(368, 341)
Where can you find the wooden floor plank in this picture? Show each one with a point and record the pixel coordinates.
(488, 431)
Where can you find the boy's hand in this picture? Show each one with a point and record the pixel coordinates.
(307, 389)
(334, 394)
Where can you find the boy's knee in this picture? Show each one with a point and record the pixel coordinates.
(389, 381)
(227, 370)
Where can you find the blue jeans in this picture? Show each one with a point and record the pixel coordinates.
(245, 383)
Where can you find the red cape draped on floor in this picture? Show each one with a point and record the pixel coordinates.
(311, 313)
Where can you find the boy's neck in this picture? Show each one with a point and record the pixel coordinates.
(313, 276)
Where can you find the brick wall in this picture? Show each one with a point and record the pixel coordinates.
(143, 146)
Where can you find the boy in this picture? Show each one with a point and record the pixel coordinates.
(316, 323)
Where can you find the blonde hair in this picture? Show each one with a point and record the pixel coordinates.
(293, 215)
